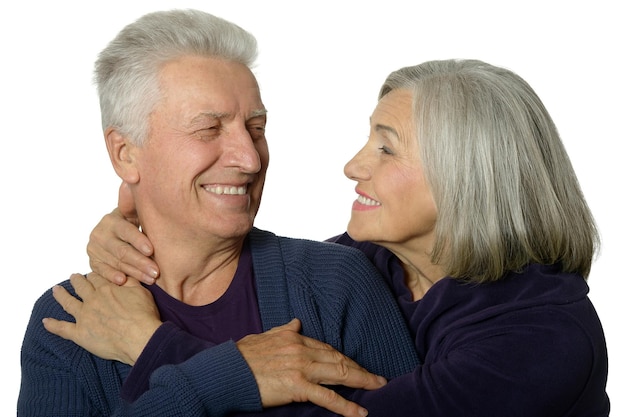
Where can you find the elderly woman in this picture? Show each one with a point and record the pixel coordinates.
(469, 206)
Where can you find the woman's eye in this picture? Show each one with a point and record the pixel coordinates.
(385, 150)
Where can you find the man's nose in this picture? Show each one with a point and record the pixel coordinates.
(241, 152)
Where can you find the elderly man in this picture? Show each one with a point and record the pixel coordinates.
(184, 126)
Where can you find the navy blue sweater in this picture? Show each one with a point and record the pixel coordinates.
(334, 290)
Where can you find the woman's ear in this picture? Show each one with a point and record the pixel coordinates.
(122, 153)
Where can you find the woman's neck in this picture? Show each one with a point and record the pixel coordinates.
(420, 281)
(420, 274)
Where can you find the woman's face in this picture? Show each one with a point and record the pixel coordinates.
(394, 207)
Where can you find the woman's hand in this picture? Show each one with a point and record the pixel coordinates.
(112, 322)
(118, 249)
(289, 367)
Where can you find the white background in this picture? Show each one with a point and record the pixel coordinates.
(320, 68)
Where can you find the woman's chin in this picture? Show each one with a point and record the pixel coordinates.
(357, 233)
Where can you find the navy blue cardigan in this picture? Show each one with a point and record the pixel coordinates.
(334, 290)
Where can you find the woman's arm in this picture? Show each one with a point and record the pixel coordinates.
(117, 323)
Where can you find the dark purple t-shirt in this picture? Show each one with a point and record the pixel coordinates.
(231, 317)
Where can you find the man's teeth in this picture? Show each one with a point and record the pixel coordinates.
(367, 201)
(225, 189)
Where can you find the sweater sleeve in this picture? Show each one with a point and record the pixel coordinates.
(502, 369)
(168, 345)
(58, 377)
(474, 378)
(211, 383)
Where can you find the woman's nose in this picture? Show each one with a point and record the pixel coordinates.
(357, 167)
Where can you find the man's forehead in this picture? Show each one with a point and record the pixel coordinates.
(255, 113)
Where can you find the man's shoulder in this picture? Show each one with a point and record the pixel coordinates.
(39, 344)
(47, 306)
(304, 250)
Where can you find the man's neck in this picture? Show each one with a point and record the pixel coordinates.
(196, 272)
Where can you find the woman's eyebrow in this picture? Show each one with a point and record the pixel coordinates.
(385, 128)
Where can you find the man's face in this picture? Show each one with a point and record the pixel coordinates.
(203, 166)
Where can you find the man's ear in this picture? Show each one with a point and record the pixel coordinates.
(122, 153)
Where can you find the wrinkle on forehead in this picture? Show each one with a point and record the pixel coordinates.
(394, 114)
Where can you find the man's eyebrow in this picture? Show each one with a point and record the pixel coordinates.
(220, 115)
(257, 113)
(207, 115)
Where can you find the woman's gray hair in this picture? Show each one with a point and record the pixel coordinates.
(505, 189)
(126, 72)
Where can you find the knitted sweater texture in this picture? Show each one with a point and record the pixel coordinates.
(334, 290)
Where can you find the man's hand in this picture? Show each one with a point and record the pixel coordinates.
(112, 322)
(118, 249)
(289, 367)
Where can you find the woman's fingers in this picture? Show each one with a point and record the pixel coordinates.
(117, 249)
(111, 322)
(290, 367)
